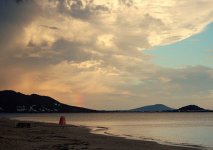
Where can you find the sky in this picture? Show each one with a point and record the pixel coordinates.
(195, 50)
(105, 54)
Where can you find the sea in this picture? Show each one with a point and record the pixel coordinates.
(186, 129)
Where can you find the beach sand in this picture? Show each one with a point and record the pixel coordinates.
(47, 136)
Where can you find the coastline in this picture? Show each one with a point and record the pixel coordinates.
(42, 136)
(104, 131)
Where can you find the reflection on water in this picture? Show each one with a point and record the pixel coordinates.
(180, 128)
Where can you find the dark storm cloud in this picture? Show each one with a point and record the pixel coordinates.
(78, 10)
(41, 56)
(128, 3)
(149, 22)
(42, 44)
(50, 27)
(14, 16)
(71, 51)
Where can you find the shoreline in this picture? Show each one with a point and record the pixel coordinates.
(104, 131)
(42, 136)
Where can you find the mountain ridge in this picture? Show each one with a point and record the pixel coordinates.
(191, 108)
(15, 102)
(152, 108)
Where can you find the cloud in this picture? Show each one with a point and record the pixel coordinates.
(81, 9)
(14, 17)
(95, 50)
(127, 3)
(50, 27)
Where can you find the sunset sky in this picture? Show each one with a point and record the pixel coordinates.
(109, 54)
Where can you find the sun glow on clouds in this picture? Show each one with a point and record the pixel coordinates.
(91, 53)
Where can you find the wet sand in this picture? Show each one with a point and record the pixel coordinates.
(48, 136)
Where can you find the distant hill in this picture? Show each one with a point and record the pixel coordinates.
(14, 102)
(191, 108)
(152, 108)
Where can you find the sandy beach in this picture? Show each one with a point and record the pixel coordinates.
(42, 136)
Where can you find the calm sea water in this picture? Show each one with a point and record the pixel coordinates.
(171, 128)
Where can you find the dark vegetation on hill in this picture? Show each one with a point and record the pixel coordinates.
(14, 102)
